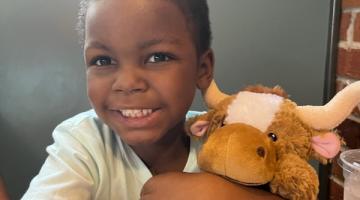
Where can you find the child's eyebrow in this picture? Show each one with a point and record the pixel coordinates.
(156, 41)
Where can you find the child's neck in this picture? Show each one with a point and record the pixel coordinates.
(169, 154)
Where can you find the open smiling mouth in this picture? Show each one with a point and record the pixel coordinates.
(138, 118)
(135, 113)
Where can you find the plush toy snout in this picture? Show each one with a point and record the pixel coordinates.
(237, 151)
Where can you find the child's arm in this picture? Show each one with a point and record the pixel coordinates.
(176, 186)
(67, 170)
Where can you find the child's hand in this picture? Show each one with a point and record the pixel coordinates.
(179, 186)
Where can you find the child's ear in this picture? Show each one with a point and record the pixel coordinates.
(205, 69)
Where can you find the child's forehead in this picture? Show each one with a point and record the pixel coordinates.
(131, 12)
(156, 17)
(135, 6)
(136, 24)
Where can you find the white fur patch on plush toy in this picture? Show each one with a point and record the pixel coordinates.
(249, 107)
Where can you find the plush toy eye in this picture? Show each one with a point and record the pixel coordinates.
(272, 136)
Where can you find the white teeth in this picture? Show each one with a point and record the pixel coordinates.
(136, 113)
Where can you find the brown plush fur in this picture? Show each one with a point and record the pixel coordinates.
(294, 178)
(262, 89)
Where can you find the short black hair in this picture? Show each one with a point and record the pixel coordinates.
(195, 11)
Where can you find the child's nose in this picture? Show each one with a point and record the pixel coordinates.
(129, 81)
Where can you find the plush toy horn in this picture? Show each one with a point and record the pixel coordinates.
(213, 95)
(335, 111)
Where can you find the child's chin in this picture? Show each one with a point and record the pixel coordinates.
(134, 139)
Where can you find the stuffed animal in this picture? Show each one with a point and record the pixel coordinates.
(259, 136)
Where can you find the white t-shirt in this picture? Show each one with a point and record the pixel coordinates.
(89, 161)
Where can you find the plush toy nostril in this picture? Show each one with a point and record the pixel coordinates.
(260, 151)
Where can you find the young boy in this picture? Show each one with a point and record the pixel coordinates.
(145, 59)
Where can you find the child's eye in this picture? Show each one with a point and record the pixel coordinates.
(159, 57)
(102, 61)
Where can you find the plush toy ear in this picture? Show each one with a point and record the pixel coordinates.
(199, 128)
(327, 145)
(203, 125)
(192, 127)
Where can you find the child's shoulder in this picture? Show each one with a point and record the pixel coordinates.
(84, 121)
(83, 126)
(82, 117)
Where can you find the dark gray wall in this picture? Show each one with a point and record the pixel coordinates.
(271, 42)
(42, 73)
(41, 82)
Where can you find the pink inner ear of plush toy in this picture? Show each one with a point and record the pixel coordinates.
(327, 145)
(199, 128)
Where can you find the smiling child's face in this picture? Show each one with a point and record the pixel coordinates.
(142, 67)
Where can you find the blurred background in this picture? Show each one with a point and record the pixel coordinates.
(42, 82)
(42, 75)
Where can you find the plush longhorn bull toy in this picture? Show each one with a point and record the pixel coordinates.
(259, 136)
